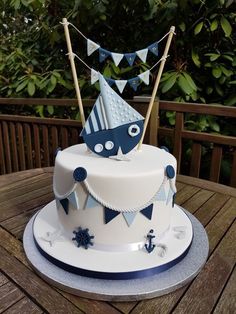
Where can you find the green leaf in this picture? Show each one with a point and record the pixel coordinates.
(198, 28)
(190, 81)
(226, 72)
(195, 58)
(50, 109)
(169, 83)
(214, 25)
(231, 101)
(53, 80)
(184, 85)
(182, 26)
(227, 28)
(215, 126)
(216, 72)
(213, 56)
(31, 88)
(21, 86)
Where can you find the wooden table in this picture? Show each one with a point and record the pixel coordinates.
(23, 291)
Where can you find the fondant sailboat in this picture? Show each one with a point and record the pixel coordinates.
(113, 125)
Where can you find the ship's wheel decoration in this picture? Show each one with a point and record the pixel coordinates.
(83, 238)
(113, 125)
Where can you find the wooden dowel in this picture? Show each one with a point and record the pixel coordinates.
(73, 68)
(161, 67)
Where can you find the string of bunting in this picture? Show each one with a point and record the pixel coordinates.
(120, 84)
(117, 57)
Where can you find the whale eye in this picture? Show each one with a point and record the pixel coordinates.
(133, 130)
(98, 148)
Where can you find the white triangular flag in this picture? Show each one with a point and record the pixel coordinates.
(91, 47)
(142, 54)
(94, 76)
(117, 57)
(161, 194)
(120, 85)
(91, 202)
(129, 217)
(169, 196)
(73, 199)
(145, 77)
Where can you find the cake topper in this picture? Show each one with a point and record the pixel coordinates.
(113, 125)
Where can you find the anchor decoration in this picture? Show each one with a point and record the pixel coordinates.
(150, 246)
(113, 126)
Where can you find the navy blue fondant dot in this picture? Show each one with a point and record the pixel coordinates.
(80, 174)
(165, 148)
(170, 172)
(57, 151)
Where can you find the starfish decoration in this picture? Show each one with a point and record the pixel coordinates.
(52, 237)
(120, 156)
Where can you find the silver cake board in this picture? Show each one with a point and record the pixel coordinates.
(122, 290)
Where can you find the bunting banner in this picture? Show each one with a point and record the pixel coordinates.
(120, 84)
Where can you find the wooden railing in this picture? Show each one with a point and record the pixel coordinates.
(30, 142)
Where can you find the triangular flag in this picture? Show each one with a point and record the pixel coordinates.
(134, 83)
(117, 57)
(57, 203)
(73, 199)
(110, 81)
(129, 217)
(103, 54)
(91, 202)
(110, 214)
(130, 57)
(94, 76)
(65, 204)
(91, 47)
(161, 194)
(169, 196)
(120, 85)
(142, 54)
(154, 48)
(173, 199)
(147, 212)
(145, 77)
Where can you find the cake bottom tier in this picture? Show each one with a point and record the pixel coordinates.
(54, 244)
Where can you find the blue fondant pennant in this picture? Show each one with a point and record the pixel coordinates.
(91, 202)
(110, 214)
(65, 204)
(173, 199)
(154, 48)
(73, 199)
(110, 81)
(161, 194)
(147, 212)
(130, 57)
(129, 217)
(134, 83)
(103, 54)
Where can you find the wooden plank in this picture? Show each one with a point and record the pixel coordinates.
(215, 163)
(195, 159)
(180, 185)
(15, 163)
(46, 160)
(64, 137)
(3, 279)
(6, 147)
(9, 294)
(233, 171)
(2, 157)
(48, 298)
(210, 282)
(29, 152)
(186, 193)
(21, 145)
(37, 150)
(207, 185)
(197, 200)
(25, 305)
(209, 209)
(179, 126)
(124, 307)
(74, 136)
(227, 302)
(54, 137)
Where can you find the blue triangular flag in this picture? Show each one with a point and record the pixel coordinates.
(173, 200)
(65, 204)
(110, 214)
(130, 57)
(91, 202)
(161, 194)
(110, 81)
(103, 54)
(129, 217)
(154, 48)
(134, 82)
(147, 212)
(73, 199)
